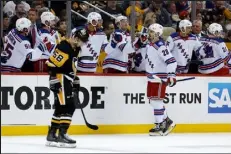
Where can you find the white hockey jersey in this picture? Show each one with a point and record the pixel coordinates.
(159, 61)
(139, 57)
(49, 39)
(89, 53)
(182, 49)
(117, 58)
(214, 53)
(17, 48)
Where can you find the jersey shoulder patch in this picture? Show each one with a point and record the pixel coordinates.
(175, 34)
(157, 44)
(44, 31)
(218, 40)
(213, 40)
(160, 43)
(192, 37)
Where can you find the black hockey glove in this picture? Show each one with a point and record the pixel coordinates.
(4, 59)
(55, 85)
(76, 85)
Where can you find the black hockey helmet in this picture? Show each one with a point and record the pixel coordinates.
(82, 34)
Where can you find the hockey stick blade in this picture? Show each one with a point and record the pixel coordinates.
(77, 102)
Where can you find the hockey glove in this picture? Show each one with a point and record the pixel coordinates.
(144, 38)
(42, 47)
(76, 85)
(171, 80)
(138, 59)
(55, 85)
(116, 38)
(4, 59)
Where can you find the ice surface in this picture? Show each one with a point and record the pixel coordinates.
(174, 143)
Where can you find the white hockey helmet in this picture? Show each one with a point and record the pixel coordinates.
(23, 24)
(93, 18)
(157, 29)
(120, 18)
(47, 17)
(100, 19)
(185, 23)
(215, 29)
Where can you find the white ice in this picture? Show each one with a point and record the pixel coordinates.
(174, 143)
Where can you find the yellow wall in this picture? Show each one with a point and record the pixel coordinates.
(228, 45)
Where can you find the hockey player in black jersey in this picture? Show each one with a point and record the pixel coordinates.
(64, 82)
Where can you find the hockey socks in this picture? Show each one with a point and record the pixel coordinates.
(158, 110)
(159, 115)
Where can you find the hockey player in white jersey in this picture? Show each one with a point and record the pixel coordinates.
(119, 48)
(46, 33)
(182, 44)
(214, 53)
(160, 69)
(17, 48)
(47, 36)
(88, 56)
(140, 46)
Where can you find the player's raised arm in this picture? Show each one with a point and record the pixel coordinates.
(17, 47)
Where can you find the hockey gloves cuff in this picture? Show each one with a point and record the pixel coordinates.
(171, 79)
(55, 85)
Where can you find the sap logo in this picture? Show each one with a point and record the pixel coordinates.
(219, 100)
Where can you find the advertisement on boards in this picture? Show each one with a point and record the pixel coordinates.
(115, 100)
(219, 98)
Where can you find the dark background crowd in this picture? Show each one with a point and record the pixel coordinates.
(166, 13)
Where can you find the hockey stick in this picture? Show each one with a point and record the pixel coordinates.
(79, 14)
(108, 14)
(77, 101)
(180, 80)
(185, 79)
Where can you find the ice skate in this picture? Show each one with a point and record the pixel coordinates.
(51, 137)
(168, 126)
(64, 141)
(156, 131)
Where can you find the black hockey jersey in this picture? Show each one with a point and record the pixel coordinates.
(61, 62)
